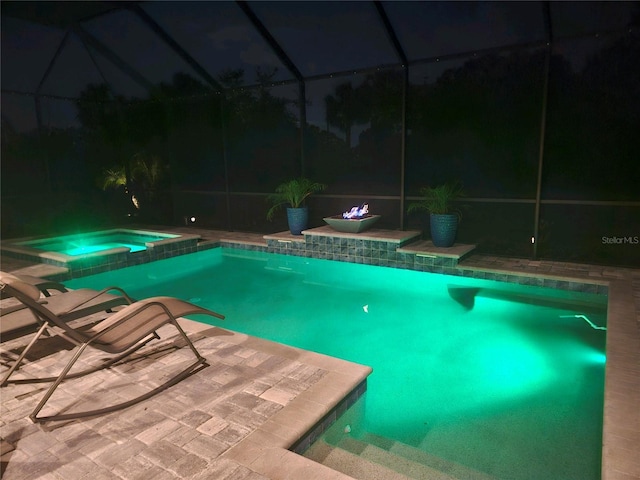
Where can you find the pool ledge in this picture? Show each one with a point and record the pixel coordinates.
(621, 418)
(63, 258)
(267, 450)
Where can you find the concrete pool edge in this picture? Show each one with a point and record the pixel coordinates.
(267, 450)
(621, 417)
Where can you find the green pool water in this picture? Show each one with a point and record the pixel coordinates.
(509, 383)
(79, 249)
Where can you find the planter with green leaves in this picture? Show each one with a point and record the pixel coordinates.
(293, 195)
(443, 216)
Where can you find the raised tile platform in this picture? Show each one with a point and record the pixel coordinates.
(371, 247)
(405, 249)
(426, 249)
(399, 237)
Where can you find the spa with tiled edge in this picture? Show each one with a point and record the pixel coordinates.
(100, 251)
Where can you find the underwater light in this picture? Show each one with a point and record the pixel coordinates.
(595, 357)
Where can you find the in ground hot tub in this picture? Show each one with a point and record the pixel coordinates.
(91, 252)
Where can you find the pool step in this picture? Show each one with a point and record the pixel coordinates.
(354, 465)
(360, 457)
(402, 450)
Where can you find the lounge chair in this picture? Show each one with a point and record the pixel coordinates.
(68, 305)
(121, 334)
(43, 284)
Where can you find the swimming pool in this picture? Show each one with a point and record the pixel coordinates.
(513, 389)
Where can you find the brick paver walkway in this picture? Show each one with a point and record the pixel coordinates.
(180, 433)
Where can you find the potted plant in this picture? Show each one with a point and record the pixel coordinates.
(444, 217)
(293, 193)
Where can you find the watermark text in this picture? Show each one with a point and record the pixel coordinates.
(621, 240)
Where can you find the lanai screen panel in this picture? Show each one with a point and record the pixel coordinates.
(430, 29)
(328, 37)
(22, 155)
(570, 19)
(592, 139)
(354, 137)
(27, 50)
(476, 120)
(219, 36)
(262, 137)
(128, 37)
(118, 81)
(194, 143)
(18, 115)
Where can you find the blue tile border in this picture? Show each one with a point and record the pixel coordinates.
(100, 264)
(385, 254)
(368, 251)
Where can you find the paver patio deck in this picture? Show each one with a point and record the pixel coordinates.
(232, 420)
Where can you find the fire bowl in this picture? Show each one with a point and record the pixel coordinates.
(351, 225)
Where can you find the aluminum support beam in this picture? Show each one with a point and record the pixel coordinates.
(405, 88)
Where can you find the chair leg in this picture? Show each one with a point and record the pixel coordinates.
(25, 350)
(175, 323)
(194, 367)
(58, 381)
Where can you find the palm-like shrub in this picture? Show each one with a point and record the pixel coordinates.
(438, 200)
(113, 178)
(147, 172)
(292, 193)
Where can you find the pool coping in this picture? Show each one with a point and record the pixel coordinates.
(621, 415)
(268, 449)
